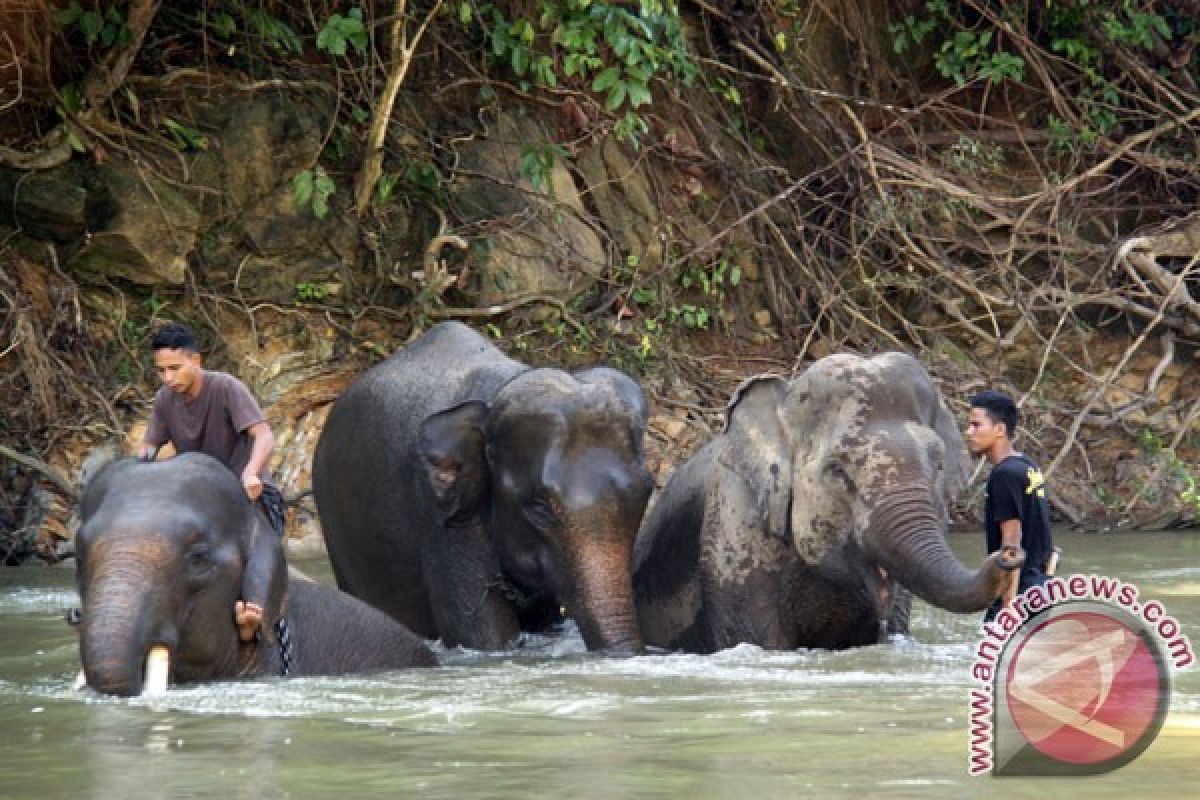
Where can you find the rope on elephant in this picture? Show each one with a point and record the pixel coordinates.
(286, 653)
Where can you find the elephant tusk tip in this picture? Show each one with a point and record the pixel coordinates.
(158, 670)
(80, 681)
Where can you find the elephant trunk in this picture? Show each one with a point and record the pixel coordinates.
(907, 537)
(118, 632)
(603, 606)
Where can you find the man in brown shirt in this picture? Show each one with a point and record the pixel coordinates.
(198, 410)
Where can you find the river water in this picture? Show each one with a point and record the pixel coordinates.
(549, 720)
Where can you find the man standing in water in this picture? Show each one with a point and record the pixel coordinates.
(199, 410)
(1016, 512)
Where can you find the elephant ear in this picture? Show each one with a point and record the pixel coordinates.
(957, 466)
(756, 448)
(264, 579)
(452, 446)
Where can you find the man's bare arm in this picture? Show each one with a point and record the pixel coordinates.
(264, 443)
(1010, 536)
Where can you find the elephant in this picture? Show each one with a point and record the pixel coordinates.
(163, 552)
(805, 522)
(472, 496)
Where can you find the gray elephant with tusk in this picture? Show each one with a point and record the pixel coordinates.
(471, 496)
(163, 552)
(807, 521)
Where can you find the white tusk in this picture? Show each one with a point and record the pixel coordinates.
(158, 667)
(80, 680)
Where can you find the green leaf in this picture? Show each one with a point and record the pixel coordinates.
(74, 140)
(324, 185)
(302, 188)
(72, 100)
(90, 22)
(320, 206)
(520, 60)
(606, 79)
(66, 16)
(638, 94)
(465, 13)
(223, 25)
(616, 95)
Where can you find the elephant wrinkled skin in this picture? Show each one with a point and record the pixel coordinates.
(164, 551)
(470, 496)
(805, 523)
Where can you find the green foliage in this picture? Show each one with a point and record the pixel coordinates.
(313, 187)
(966, 47)
(310, 292)
(424, 179)
(107, 28)
(537, 161)
(695, 304)
(975, 157)
(614, 49)
(220, 23)
(965, 55)
(1153, 446)
(183, 136)
(276, 34)
(341, 31)
(385, 188)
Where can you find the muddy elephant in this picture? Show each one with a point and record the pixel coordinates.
(803, 523)
(164, 551)
(471, 496)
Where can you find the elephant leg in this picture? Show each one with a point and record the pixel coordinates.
(467, 591)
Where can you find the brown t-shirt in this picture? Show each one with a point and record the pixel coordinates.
(214, 422)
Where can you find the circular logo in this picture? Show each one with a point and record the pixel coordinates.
(1088, 688)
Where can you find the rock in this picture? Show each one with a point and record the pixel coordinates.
(1116, 397)
(144, 228)
(50, 205)
(1133, 381)
(749, 267)
(819, 348)
(538, 240)
(262, 141)
(1167, 390)
(672, 427)
(622, 196)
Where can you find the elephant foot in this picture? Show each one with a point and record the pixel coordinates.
(248, 618)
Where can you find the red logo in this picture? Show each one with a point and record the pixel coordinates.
(1084, 688)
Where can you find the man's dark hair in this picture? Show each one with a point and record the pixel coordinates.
(174, 336)
(999, 408)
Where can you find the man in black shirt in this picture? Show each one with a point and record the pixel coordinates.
(1016, 512)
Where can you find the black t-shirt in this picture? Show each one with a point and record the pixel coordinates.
(1016, 490)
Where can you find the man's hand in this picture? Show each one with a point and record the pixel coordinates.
(248, 618)
(252, 484)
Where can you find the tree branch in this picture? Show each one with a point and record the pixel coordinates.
(402, 54)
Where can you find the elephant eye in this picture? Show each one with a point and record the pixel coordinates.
(199, 556)
(540, 512)
(839, 473)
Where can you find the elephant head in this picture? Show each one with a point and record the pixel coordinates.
(163, 552)
(552, 468)
(855, 461)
